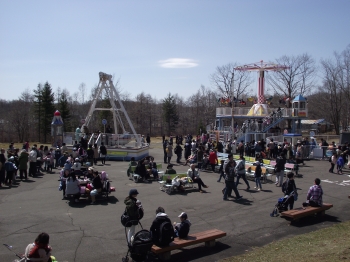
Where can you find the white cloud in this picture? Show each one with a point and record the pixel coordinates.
(178, 63)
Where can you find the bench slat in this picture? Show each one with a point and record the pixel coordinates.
(192, 239)
(300, 212)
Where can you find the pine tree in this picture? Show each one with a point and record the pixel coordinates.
(170, 113)
(63, 107)
(44, 108)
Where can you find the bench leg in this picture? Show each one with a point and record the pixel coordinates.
(210, 243)
(165, 256)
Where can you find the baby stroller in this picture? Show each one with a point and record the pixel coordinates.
(140, 246)
(282, 204)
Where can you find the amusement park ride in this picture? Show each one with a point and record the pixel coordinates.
(260, 119)
(120, 146)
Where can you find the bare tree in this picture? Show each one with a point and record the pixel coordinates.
(230, 82)
(82, 90)
(333, 88)
(297, 79)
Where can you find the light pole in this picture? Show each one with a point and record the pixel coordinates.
(232, 109)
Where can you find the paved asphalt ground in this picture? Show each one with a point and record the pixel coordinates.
(84, 232)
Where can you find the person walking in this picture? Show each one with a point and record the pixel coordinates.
(230, 181)
(240, 170)
(257, 176)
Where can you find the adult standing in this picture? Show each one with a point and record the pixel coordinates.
(23, 164)
(289, 189)
(2, 166)
(213, 159)
(148, 139)
(230, 181)
(178, 151)
(240, 170)
(165, 144)
(279, 169)
(132, 211)
(32, 162)
(324, 146)
(169, 151)
(103, 153)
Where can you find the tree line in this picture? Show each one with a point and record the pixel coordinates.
(325, 84)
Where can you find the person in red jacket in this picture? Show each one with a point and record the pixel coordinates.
(213, 159)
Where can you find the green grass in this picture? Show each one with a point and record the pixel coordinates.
(328, 244)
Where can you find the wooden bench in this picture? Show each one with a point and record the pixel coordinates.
(300, 212)
(251, 174)
(208, 237)
(290, 168)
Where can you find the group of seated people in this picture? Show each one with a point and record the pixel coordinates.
(145, 168)
(71, 186)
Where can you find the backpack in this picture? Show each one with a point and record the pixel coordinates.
(166, 233)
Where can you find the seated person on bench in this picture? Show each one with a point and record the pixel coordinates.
(314, 195)
(97, 185)
(152, 168)
(141, 169)
(194, 175)
(72, 187)
(155, 229)
(191, 159)
(132, 163)
(183, 228)
(169, 170)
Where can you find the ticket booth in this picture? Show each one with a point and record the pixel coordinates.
(299, 106)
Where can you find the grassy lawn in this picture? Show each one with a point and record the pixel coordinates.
(328, 244)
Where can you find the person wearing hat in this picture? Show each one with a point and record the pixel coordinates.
(169, 170)
(132, 211)
(183, 228)
(10, 168)
(97, 185)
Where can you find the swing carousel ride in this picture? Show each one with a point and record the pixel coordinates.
(261, 119)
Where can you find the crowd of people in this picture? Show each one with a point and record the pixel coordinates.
(31, 161)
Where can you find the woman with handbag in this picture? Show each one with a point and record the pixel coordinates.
(131, 210)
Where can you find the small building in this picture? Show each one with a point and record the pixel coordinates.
(316, 125)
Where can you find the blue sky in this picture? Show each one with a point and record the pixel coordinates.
(157, 47)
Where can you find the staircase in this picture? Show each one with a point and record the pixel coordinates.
(273, 124)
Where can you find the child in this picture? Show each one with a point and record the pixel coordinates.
(49, 160)
(40, 249)
(183, 228)
(221, 170)
(257, 176)
(10, 169)
(340, 164)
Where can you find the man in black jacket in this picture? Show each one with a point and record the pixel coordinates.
(155, 229)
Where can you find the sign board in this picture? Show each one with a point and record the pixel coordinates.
(104, 122)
